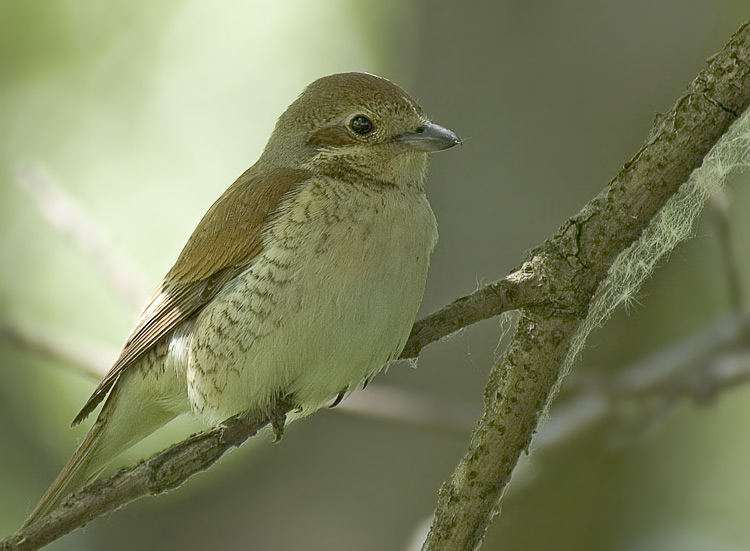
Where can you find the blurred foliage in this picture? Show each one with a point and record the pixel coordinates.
(146, 111)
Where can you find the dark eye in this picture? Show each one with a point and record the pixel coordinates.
(361, 125)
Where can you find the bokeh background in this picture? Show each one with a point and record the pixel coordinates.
(144, 112)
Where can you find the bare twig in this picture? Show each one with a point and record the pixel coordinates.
(524, 287)
(90, 359)
(68, 217)
(699, 367)
(160, 473)
(403, 406)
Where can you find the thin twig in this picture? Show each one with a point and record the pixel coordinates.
(67, 216)
(524, 287)
(699, 367)
(85, 357)
(405, 406)
(162, 472)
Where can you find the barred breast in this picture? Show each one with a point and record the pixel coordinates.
(328, 304)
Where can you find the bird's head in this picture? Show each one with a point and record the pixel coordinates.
(357, 123)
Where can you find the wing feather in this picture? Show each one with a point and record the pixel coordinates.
(223, 245)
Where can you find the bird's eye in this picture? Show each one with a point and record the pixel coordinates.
(361, 125)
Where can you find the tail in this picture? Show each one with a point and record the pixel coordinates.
(129, 415)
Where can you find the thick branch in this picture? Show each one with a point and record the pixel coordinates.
(575, 262)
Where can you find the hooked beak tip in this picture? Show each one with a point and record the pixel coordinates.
(430, 137)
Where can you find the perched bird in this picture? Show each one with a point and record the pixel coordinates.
(300, 283)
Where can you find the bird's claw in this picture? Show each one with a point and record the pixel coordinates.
(277, 416)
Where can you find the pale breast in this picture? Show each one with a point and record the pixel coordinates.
(329, 302)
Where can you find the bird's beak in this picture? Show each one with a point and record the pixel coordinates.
(429, 137)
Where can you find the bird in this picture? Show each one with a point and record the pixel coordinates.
(299, 284)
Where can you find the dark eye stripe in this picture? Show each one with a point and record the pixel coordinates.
(331, 136)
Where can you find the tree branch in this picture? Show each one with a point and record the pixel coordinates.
(698, 367)
(86, 357)
(573, 264)
(170, 468)
(162, 472)
(525, 287)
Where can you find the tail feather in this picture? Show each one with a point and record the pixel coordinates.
(80, 469)
(129, 415)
